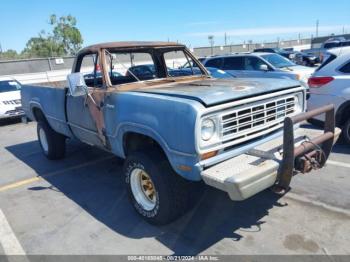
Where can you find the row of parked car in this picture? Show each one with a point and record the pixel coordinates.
(321, 53)
(259, 64)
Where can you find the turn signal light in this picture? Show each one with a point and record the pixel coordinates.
(319, 81)
(209, 155)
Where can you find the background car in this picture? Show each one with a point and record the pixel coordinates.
(218, 73)
(322, 52)
(142, 72)
(305, 59)
(10, 99)
(97, 74)
(335, 42)
(286, 53)
(330, 84)
(299, 58)
(214, 72)
(266, 65)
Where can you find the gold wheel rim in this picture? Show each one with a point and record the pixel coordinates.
(143, 189)
(147, 186)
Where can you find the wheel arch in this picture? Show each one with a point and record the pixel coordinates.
(141, 134)
(342, 113)
(134, 141)
(38, 113)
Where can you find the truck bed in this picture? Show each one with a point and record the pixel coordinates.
(51, 100)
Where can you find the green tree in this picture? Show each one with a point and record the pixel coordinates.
(66, 33)
(9, 54)
(65, 39)
(42, 46)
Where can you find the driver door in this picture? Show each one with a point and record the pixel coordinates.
(85, 113)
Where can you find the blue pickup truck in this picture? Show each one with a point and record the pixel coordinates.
(241, 136)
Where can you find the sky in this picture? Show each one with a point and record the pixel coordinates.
(189, 22)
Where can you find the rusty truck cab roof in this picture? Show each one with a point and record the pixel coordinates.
(129, 44)
(135, 46)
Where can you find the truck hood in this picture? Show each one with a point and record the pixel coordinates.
(211, 92)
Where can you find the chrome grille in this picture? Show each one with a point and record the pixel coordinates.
(17, 111)
(256, 118)
(12, 102)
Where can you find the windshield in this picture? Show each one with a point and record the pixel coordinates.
(135, 66)
(331, 45)
(277, 60)
(8, 86)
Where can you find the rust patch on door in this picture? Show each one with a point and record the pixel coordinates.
(95, 103)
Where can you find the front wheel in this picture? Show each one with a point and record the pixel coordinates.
(157, 193)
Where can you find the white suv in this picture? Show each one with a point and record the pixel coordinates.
(10, 99)
(330, 84)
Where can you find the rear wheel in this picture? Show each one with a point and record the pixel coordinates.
(157, 193)
(52, 143)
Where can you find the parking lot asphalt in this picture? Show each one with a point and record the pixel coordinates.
(78, 205)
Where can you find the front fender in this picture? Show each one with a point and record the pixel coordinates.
(176, 158)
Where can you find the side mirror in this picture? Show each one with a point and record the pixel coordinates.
(76, 84)
(263, 67)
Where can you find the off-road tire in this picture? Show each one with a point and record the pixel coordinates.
(173, 193)
(55, 143)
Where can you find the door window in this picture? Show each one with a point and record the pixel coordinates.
(253, 63)
(345, 68)
(234, 63)
(91, 70)
(215, 62)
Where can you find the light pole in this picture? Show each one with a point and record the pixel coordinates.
(211, 42)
